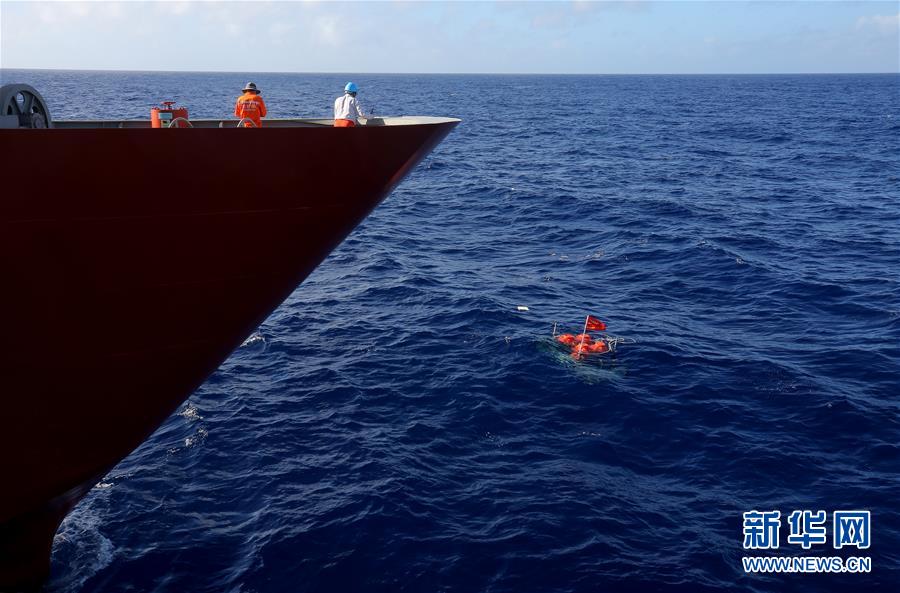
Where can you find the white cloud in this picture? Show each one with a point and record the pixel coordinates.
(230, 17)
(173, 8)
(884, 24)
(114, 10)
(68, 13)
(278, 32)
(48, 14)
(328, 30)
(79, 9)
(551, 18)
(582, 5)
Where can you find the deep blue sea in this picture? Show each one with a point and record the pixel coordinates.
(398, 425)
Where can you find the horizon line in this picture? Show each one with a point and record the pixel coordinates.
(452, 73)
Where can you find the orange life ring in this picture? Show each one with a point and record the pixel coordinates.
(599, 346)
(567, 339)
(579, 350)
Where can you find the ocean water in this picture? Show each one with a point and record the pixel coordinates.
(398, 425)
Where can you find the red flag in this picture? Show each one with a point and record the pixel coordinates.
(595, 324)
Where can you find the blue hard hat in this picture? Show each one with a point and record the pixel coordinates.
(351, 88)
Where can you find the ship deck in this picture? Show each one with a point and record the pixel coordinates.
(404, 120)
(136, 263)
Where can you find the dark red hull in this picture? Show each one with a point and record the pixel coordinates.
(133, 262)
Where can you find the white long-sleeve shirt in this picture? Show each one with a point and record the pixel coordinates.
(347, 107)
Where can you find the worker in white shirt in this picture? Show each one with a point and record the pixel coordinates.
(346, 108)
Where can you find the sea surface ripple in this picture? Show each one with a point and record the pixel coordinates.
(397, 425)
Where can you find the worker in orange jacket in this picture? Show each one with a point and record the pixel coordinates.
(250, 106)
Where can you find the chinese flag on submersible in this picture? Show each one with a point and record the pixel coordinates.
(594, 323)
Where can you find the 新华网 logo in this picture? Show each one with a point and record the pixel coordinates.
(806, 529)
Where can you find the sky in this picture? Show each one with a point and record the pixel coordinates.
(626, 37)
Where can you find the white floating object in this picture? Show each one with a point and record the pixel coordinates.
(521, 308)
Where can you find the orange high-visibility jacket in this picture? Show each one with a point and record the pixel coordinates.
(252, 107)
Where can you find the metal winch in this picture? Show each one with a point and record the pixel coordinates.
(21, 106)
